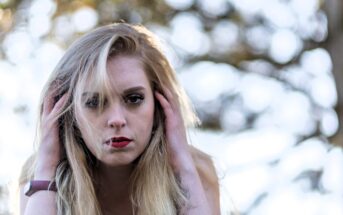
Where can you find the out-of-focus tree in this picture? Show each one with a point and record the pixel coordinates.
(247, 65)
(334, 44)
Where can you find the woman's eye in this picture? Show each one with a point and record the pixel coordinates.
(92, 102)
(134, 99)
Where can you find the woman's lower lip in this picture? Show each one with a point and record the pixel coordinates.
(120, 144)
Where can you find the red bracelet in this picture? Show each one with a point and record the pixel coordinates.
(36, 185)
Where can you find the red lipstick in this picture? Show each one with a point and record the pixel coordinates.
(118, 142)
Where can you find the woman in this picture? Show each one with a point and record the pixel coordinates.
(112, 134)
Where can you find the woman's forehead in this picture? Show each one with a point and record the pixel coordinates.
(124, 70)
(122, 73)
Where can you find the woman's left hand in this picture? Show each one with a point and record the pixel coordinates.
(177, 145)
(180, 157)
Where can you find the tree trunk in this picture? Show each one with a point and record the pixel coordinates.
(334, 45)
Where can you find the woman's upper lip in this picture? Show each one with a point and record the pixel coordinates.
(118, 139)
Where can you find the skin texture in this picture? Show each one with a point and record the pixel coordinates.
(129, 113)
(122, 116)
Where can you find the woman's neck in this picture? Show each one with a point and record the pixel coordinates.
(113, 188)
(113, 178)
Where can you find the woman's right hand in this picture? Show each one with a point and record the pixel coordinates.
(50, 148)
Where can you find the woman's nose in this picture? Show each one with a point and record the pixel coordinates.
(116, 117)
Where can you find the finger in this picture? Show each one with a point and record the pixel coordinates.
(49, 100)
(171, 98)
(59, 104)
(167, 108)
(55, 110)
(47, 104)
(168, 95)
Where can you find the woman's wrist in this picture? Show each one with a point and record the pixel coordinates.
(45, 171)
(182, 161)
(44, 175)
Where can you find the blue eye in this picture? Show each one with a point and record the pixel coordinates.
(134, 99)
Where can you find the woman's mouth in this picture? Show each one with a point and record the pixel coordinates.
(118, 142)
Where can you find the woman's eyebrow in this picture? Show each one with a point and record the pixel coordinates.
(133, 89)
(87, 94)
(126, 91)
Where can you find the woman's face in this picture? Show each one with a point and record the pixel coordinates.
(124, 125)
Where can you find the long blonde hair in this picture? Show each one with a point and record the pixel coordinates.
(155, 189)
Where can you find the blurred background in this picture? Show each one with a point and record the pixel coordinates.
(265, 77)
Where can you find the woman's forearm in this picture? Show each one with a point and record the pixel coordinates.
(197, 203)
(41, 203)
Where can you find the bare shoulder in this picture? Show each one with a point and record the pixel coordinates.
(208, 176)
(205, 166)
